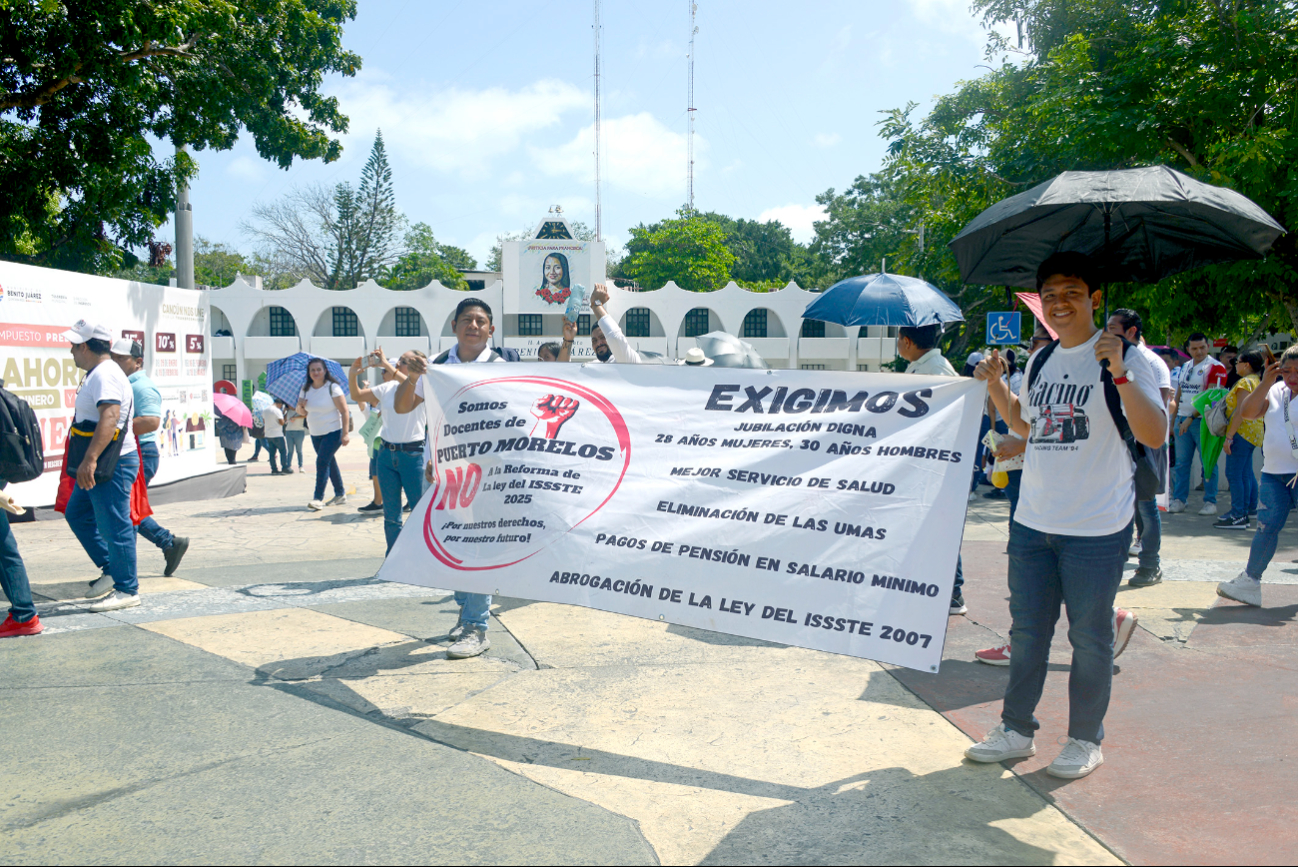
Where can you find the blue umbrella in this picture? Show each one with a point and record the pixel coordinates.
(883, 299)
(286, 377)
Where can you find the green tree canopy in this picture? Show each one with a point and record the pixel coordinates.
(84, 87)
(1203, 86)
(689, 249)
(425, 260)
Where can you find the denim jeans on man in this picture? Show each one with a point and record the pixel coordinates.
(474, 607)
(100, 518)
(398, 471)
(1082, 573)
(277, 446)
(13, 573)
(149, 528)
(1149, 526)
(1187, 452)
(294, 438)
(1239, 475)
(1277, 499)
(326, 465)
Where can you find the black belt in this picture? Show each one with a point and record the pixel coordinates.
(416, 446)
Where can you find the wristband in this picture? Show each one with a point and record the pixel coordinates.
(1122, 380)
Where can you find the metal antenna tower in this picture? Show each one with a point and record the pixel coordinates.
(599, 228)
(689, 145)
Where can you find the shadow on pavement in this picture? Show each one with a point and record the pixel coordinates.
(1229, 614)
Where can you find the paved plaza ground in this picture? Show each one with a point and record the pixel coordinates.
(273, 703)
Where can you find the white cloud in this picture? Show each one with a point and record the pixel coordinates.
(453, 130)
(798, 218)
(827, 140)
(247, 168)
(641, 155)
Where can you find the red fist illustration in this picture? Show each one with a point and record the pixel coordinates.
(553, 410)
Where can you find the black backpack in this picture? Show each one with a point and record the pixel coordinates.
(22, 452)
(1150, 473)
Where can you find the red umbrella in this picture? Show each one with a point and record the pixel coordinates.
(233, 409)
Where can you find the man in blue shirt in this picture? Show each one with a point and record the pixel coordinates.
(129, 355)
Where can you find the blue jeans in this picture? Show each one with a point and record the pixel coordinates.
(1012, 490)
(277, 446)
(1277, 500)
(100, 518)
(326, 465)
(1187, 448)
(13, 573)
(474, 607)
(957, 589)
(1239, 475)
(1082, 572)
(149, 528)
(1149, 523)
(398, 471)
(256, 449)
(294, 439)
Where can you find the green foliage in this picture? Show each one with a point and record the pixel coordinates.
(425, 260)
(1205, 87)
(84, 87)
(217, 264)
(690, 250)
(864, 225)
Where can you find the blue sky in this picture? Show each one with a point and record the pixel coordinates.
(486, 109)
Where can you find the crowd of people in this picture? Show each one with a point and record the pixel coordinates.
(1081, 438)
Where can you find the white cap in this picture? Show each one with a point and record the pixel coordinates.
(696, 358)
(127, 346)
(83, 331)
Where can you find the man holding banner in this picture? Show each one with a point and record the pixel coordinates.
(1072, 528)
(473, 329)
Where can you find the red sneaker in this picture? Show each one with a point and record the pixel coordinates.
(1124, 623)
(11, 628)
(994, 655)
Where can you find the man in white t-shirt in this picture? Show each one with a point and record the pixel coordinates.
(1149, 524)
(473, 329)
(99, 510)
(399, 461)
(607, 340)
(273, 433)
(1072, 527)
(1278, 489)
(1200, 372)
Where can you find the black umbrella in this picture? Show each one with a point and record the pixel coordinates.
(1140, 225)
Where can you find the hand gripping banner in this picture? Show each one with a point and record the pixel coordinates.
(817, 509)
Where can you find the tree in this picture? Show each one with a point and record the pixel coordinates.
(1206, 87)
(84, 87)
(864, 225)
(336, 238)
(424, 260)
(689, 250)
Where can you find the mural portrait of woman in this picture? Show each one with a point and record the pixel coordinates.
(556, 282)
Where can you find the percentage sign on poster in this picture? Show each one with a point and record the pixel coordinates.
(164, 342)
(194, 343)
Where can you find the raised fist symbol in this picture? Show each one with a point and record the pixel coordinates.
(553, 410)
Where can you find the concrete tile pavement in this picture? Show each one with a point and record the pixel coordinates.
(281, 705)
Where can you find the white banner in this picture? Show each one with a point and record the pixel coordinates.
(38, 304)
(819, 509)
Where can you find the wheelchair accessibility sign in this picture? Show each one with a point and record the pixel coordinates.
(1004, 328)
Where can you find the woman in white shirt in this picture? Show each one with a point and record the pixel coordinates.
(325, 407)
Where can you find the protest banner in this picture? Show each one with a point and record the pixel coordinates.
(818, 509)
(38, 304)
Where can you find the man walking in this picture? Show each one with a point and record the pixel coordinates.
(129, 355)
(1200, 372)
(918, 345)
(1149, 524)
(1072, 529)
(473, 329)
(99, 510)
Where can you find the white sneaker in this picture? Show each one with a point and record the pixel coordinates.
(115, 601)
(340, 500)
(1076, 760)
(1175, 506)
(1001, 744)
(973, 496)
(102, 586)
(1208, 509)
(1242, 588)
(1124, 623)
(1135, 549)
(315, 505)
